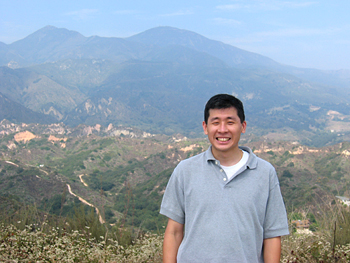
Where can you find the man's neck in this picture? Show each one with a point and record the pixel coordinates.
(228, 158)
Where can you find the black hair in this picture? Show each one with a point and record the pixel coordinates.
(224, 101)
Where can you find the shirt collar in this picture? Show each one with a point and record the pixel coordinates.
(209, 155)
(251, 163)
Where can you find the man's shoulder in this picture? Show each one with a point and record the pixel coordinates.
(197, 159)
(263, 162)
(256, 161)
(192, 164)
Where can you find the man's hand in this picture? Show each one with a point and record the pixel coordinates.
(172, 239)
(272, 250)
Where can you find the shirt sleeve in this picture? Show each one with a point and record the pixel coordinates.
(173, 200)
(276, 221)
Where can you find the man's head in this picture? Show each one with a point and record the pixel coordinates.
(224, 101)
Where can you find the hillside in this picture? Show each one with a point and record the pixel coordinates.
(124, 174)
(15, 112)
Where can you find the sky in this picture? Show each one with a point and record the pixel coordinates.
(301, 33)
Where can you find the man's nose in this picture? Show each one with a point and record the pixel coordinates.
(223, 127)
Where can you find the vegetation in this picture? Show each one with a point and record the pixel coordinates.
(44, 184)
(58, 245)
(313, 248)
(125, 177)
(30, 235)
(122, 177)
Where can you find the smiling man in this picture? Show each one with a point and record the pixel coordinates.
(228, 198)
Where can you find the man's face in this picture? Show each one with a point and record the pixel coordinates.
(224, 129)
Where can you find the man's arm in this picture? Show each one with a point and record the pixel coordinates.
(272, 250)
(172, 239)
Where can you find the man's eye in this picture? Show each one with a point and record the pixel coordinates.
(215, 123)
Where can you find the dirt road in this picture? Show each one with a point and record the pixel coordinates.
(87, 203)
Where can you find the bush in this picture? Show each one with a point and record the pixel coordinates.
(58, 245)
(342, 227)
(312, 248)
(287, 174)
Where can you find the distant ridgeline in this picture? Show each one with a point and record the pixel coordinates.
(159, 81)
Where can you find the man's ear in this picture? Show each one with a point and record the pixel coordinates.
(244, 127)
(205, 128)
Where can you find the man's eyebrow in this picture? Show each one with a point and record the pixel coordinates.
(227, 118)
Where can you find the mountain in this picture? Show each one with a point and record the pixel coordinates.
(338, 78)
(51, 44)
(235, 57)
(38, 92)
(171, 99)
(159, 81)
(47, 44)
(169, 36)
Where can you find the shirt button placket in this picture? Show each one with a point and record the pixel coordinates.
(221, 171)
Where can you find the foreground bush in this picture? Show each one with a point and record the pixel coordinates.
(305, 248)
(59, 246)
(56, 245)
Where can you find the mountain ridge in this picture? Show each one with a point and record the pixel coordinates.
(160, 79)
(231, 55)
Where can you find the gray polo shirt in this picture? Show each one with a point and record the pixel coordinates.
(225, 220)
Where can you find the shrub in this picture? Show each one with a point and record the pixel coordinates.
(57, 245)
(312, 248)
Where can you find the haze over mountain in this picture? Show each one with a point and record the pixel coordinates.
(159, 81)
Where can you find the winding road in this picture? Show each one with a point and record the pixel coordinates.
(70, 191)
(87, 203)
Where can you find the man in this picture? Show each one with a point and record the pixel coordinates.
(228, 198)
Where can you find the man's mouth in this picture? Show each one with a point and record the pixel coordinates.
(223, 139)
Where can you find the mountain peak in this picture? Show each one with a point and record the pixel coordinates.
(48, 27)
(166, 35)
(49, 33)
(47, 40)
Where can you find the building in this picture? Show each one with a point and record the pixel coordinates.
(344, 200)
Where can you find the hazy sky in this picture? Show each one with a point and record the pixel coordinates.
(312, 34)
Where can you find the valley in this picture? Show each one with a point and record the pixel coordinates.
(123, 175)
